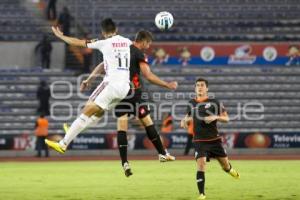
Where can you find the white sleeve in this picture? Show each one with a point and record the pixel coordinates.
(95, 44)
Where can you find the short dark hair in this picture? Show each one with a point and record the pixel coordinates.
(108, 26)
(202, 80)
(143, 35)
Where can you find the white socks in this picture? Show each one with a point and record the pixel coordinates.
(81, 123)
(94, 120)
(77, 127)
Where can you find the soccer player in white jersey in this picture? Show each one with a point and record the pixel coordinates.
(114, 87)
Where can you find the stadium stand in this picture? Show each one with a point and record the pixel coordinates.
(18, 22)
(196, 20)
(274, 88)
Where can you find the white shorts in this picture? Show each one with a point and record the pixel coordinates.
(107, 95)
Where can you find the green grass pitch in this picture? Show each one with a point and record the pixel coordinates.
(104, 180)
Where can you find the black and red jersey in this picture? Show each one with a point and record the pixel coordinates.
(136, 56)
(198, 110)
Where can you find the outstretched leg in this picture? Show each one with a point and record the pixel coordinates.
(155, 139)
(82, 122)
(225, 164)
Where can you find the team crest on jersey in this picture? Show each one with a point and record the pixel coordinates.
(208, 105)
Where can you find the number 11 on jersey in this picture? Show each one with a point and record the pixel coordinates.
(123, 60)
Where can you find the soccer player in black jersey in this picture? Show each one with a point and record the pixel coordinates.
(134, 104)
(204, 113)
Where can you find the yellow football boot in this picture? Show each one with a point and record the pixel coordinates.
(202, 196)
(234, 173)
(56, 146)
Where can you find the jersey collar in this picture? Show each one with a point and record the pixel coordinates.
(200, 100)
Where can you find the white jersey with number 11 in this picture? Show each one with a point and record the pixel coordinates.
(116, 57)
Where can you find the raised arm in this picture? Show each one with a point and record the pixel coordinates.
(151, 77)
(67, 39)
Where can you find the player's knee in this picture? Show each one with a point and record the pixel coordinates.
(91, 109)
(201, 167)
(201, 163)
(122, 123)
(99, 113)
(146, 121)
(122, 126)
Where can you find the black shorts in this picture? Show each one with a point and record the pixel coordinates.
(209, 149)
(133, 104)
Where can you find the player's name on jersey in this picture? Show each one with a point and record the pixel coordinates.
(119, 44)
